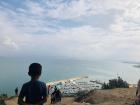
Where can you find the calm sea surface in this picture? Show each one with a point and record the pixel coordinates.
(13, 71)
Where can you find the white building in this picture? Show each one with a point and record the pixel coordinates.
(74, 86)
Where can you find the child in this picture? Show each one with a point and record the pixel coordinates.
(34, 92)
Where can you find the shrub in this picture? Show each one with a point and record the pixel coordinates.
(2, 99)
(82, 95)
(115, 83)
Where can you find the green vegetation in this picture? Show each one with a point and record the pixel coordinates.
(2, 98)
(2, 101)
(115, 83)
(81, 95)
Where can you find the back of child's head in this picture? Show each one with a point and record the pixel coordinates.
(35, 69)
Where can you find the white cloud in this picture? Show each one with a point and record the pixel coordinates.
(86, 42)
(9, 42)
(35, 8)
(32, 29)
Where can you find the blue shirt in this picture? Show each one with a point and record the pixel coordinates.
(33, 92)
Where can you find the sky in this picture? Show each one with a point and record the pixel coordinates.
(78, 29)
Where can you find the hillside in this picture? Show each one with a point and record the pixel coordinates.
(100, 97)
(111, 97)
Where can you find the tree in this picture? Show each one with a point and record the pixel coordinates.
(115, 83)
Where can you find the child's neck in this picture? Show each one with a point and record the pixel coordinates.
(34, 79)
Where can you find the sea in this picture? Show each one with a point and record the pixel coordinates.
(14, 71)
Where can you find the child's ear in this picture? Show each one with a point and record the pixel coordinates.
(29, 73)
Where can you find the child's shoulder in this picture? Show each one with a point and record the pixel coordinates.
(26, 84)
(42, 83)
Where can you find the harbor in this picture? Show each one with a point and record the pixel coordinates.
(72, 86)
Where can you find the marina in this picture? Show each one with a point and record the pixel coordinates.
(74, 85)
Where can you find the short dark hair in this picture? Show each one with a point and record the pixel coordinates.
(35, 69)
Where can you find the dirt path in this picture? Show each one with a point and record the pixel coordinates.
(65, 101)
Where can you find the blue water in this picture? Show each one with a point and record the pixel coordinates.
(13, 71)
